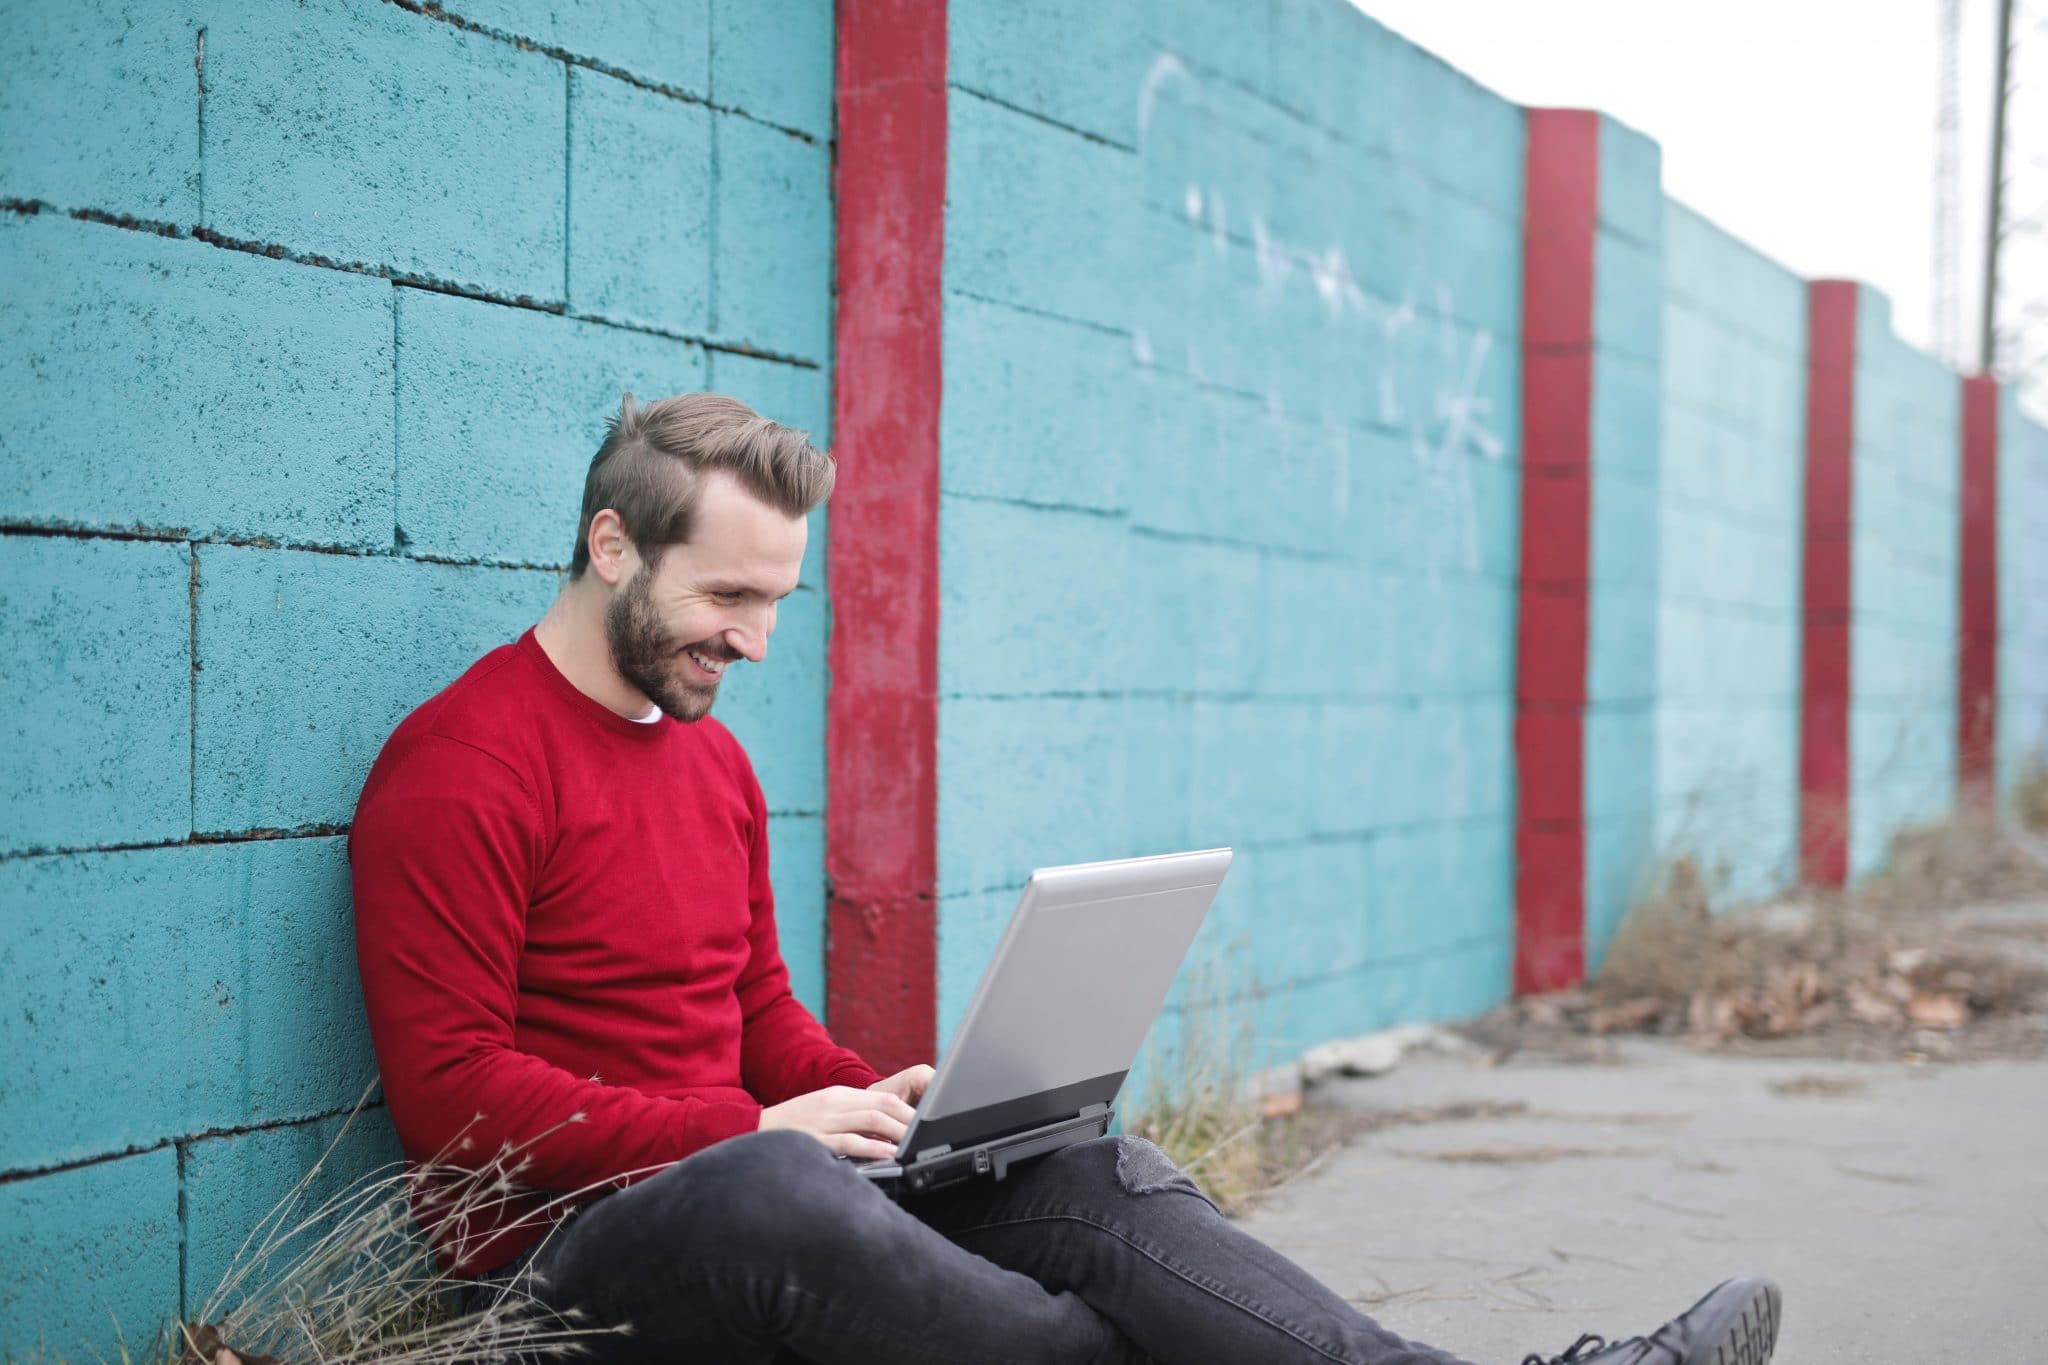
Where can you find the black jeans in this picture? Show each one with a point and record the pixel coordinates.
(765, 1248)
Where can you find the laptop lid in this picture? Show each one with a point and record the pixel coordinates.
(1065, 1001)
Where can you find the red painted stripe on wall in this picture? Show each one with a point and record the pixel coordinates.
(1562, 207)
(882, 715)
(1977, 614)
(1824, 686)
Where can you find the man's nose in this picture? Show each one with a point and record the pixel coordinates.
(750, 639)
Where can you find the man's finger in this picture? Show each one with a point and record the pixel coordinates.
(853, 1144)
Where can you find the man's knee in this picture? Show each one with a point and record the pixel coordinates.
(1122, 1165)
(751, 1186)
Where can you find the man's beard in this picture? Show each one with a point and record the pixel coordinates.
(645, 653)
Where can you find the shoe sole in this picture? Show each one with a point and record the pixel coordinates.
(1743, 1330)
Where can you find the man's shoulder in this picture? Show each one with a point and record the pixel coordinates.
(488, 709)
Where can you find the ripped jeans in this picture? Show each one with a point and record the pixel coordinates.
(764, 1248)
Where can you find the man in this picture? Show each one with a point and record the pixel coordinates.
(567, 941)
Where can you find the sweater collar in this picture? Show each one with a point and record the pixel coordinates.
(529, 645)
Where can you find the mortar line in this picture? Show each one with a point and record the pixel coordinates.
(199, 70)
(9, 1177)
(184, 1243)
(568, 167)
(192, 687)
(1047, 119)
(254, 835)
(397, 381)
(711, 234)
(400, 278)
(430, 9)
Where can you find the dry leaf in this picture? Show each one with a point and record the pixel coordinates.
(1939, 1009)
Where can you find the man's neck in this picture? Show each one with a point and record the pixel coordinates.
(572, 636)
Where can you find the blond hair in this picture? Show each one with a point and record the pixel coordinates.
(650, 468)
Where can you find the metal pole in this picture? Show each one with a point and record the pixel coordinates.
(1987, 346)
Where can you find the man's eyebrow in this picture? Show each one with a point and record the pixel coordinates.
(739, 589)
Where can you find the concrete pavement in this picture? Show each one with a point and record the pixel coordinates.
(1903, 1209)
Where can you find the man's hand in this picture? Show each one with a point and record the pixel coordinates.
(908, 1084)
(851, 1122)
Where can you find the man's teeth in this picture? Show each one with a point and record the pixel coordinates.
(708, 665)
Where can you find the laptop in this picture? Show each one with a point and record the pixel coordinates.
(1054, 1026)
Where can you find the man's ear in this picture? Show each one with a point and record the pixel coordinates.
(611, 550)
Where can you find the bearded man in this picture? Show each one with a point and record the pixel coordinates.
(566, 934)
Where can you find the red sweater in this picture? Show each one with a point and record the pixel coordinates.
(561, 911)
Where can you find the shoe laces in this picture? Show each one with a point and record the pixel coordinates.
(1579, 1350)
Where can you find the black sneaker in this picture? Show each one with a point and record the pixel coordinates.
(1735, 1324)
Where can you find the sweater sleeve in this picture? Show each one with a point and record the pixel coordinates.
(784, 1050)
(444, 850)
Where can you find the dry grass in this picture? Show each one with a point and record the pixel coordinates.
(1197, 1106)
(1892, 960)
(352, 1280)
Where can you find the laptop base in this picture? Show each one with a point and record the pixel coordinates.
(936, 1167)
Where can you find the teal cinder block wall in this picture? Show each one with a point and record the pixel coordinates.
(1622, 617)
(2022, 597)
(1904, 566)
(1230, 499)
(1729, 543)
(310, 317)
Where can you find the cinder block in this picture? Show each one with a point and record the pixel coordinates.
(308, 661)
(1251, 770)
(1227, 37)
(774, 266)
(1039, 409)
(100, 104)
(97, 690)
(1028, 783)
(1625, 413)
(1066, 635)
(1192, 619)
(254, 396)
(1316, 631)
(1313, 916)
(639, 205)
(1620, 865)
(1631, 183)
(796, 856)
(239, 1183)
(1621, 657)
(367, 133)
(1620, 759)
(500, 411)
(168, 991)
(92, 1259)
(1359, 766)
(776, 708)
(775, 62)
(1157, 732)
(1624, 529)
(796, 396)
(662, 42)
(1068, 61)
(1628, 293)
(1333, 65)
(1037, 216)
(1485, 138)
(969, 927)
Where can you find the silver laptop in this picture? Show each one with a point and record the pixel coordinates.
(1053, 1028)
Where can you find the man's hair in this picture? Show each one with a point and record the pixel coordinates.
(650, 468)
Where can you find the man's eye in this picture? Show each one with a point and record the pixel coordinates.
(726, 598)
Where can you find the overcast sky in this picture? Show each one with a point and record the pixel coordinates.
(1804, 126)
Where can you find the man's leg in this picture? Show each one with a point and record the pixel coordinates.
(1115, 1222)
(764, 1245)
